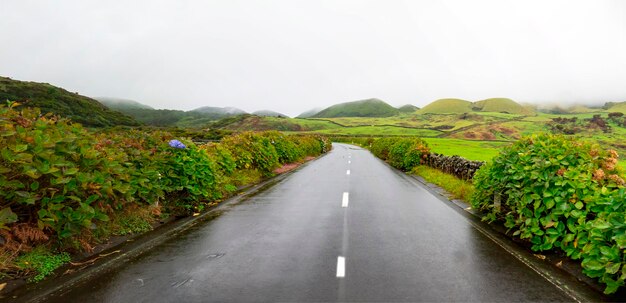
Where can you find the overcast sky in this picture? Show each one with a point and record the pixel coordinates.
(292, 55)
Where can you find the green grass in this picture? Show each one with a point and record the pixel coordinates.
(457, 188)
(41, 262)
(468, 149)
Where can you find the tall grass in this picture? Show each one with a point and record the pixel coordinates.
(458, 189)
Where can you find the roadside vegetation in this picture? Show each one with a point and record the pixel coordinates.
(64, 189)
(556, 192)
(560, 193)
(458, 188)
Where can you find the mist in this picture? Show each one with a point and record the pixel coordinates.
(291, 56)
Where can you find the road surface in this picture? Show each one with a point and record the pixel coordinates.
(345, 227)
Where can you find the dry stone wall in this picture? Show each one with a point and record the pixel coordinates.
(455, 165)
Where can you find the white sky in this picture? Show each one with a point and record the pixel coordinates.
(291, 55)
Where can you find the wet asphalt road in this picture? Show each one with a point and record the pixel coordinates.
(398, 241)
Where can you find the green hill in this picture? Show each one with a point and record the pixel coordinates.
(447, 106)
(268, 113)
(219, 111)
(310, 113)
(121, 104)
(408, 108)
(616, 107)
(362, 108)
(250, 122)
(52, 99)
(458, 106)
(500, 105)
(561, 110)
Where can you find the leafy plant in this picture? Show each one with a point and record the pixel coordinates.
(558, 192)
(402, 153)
(41, 262)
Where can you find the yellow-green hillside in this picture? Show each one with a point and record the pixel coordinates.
(447, 106)
(501, 105)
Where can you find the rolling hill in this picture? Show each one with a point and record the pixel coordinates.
(459, 106)
(616, 107)
(121, 104)
(268, 113)
(408, 108)
(310, 113)
(501, 105)
(361, 108)
(219, 111)
(447, 106)
(52, 99)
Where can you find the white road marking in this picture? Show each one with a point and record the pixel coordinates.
(341, 267)
(349, 162)
(344, 200)
(348, 172)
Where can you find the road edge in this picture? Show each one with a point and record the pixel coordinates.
(118, 255)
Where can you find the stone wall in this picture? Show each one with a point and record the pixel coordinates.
(455, 165)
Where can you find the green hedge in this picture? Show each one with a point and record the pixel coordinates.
(401, 153)
(62, 178)
(561, 193)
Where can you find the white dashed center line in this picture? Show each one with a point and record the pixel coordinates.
(344, 200)
(348, 172)
(341, 267)
(348, 161)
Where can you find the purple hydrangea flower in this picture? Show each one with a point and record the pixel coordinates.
(177, 144)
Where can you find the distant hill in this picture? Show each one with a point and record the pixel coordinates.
(222, 111)
(559, 109)
(50, 98)
(408, 108)
(362, 108)
(310, 113)
(500, 105)
(457, 106)
(259, 123)
(117, 103)
(447, 106)
(196, 118)
(615, 107)
(268, 113)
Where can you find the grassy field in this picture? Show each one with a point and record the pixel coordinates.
(468, 149)
(475, 135)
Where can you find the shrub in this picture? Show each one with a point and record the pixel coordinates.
(58, 180)
(252, 151)
(407, 153)
(402, 153)
(561, 193)
(380, 147)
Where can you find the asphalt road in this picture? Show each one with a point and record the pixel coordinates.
(304, 239)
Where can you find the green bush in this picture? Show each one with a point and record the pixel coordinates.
(557, 192)
(61, 177)
(402, 153)
(406, 153)
(380, 147)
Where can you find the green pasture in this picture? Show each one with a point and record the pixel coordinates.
(468, 149)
